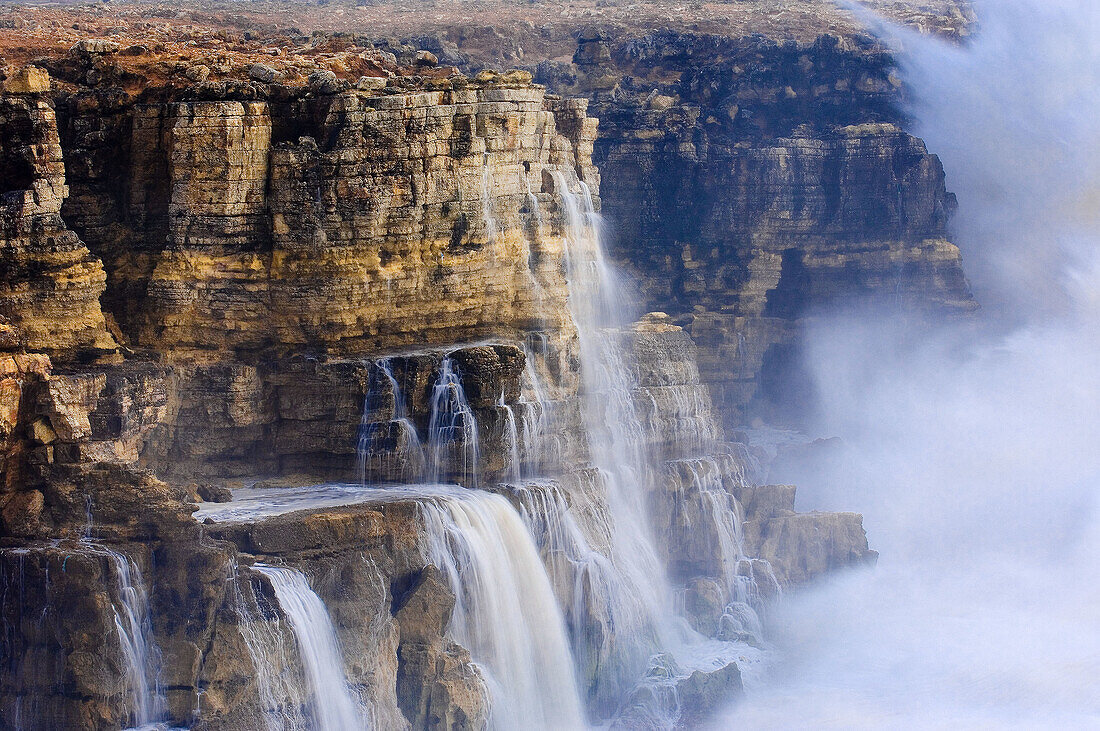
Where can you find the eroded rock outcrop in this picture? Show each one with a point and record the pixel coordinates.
(348, 222)
(51, 283)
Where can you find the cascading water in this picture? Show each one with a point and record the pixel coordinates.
(406, 449)
(138, 654)
(591, 590)
(505, 613)
(135, 634)
(536, 210)
(615, 435)
(541, 447)
(452, 429)
(282, 695)
(702, 478)
(618, 634)
(618, 451)
(333, 705)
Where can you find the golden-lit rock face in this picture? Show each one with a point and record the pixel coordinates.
(398, 219)
(49, 294)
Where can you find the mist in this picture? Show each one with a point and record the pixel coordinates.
(972, 448)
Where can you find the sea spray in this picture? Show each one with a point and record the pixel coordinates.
(971, 448)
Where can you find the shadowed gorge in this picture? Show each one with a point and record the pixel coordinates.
(386, 367)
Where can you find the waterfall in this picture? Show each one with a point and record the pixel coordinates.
(615, 434)
(133, 624)
(452, 429)
(135, 634)
(620, 453)
(334, 706)
(511, 433)
(540, 447)
(505, 612)
(587, 585)
(722, 520)
(406, 447)
(280, 690)
(137, 665)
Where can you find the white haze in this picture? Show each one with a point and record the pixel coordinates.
(972, 449)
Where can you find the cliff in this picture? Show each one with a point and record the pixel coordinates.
(338, 268)
(757, 169)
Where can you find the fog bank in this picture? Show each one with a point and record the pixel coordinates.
(973, 449)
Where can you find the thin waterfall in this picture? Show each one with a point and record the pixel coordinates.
(334, 706)
(533, 244)
(135, 637)
(130, 620)
(540, 445)
(588, 587)
(721, 513)
(365, 439)
(621, 454)
(505, 613)
(511, 435)
(283, 699)
(133, 623)
(452, 428)
(407, 449)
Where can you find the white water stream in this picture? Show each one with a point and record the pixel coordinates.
(505, 613)
(332, 703)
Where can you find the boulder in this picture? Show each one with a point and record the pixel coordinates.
(263, 73)
(28, 80)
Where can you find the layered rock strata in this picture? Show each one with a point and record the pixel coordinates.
(755, 182)
(51, 283)
(272, 265)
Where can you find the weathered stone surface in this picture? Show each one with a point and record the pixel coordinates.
(56, 602)
(28, 80)
(436, 683)
(352, 223)
(703, 694)
(804, 546)
(50, 288)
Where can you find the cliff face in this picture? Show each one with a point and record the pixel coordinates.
(753, 182)
(354, 222)
(257, 284)
(50, 283)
